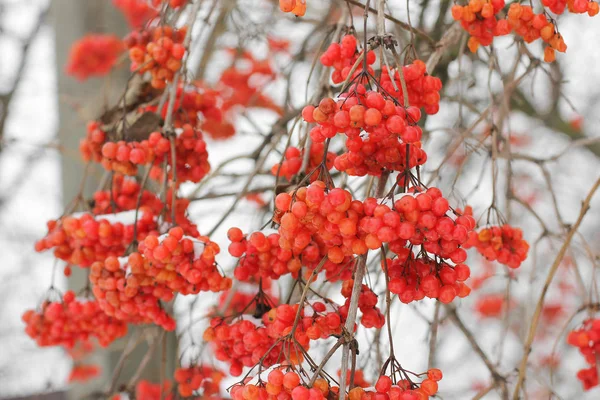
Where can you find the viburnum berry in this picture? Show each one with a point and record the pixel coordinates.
(504, 244)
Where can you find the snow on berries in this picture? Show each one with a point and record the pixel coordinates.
(587, 340)
(70, 321)
(93, 55)
(504, 244)
(81, 239)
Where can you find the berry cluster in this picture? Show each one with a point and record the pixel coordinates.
(574, 6)
(260, 256)
(131, 289)
(318, 320)
(123, 196)
(342, 57)
(124, 157)
(413, 279)
(296, 7)
(191, 157)
(479, 19)
(136, 12)
(315, 223)
(243, 343)
(504, 244)
(129, 296)
(390, 131)
(241, 85)
(491, 305)
(81, 239)
(70, 321)
(421, 220)
(83, 372)
(93, 55)
(194, 378)
(198, 105)
(367, 303)
(293, 158)
(533, 26)
(145, 390)
(423, 90)
(282, 385)
(587, 339)
(182, 263)
(159, 50)
(385, 389)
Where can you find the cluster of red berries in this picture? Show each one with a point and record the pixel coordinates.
(367, 303)
(83, 239)
(244, 343)
(184, 264)
(196, 104)
(70, 321)
(192, 379)
(342, 57)
(587, 339)
(504, 244)
(124, 157)
(421, 220)
(158, 50)
(241, 85)
(315, 222)
(385, 389)
(260, 256)
(491, 305)
(130, 296)
(123, 196)
(479, 19)
(317, 320)
(388, 127)
(83, 372)
(145, 390)
(93, 55)
(533, 26)
(281, 384)
(136, 12)
(574, 6)
(293, 158)
(131, 289)
(413, 279)
(296, 7)
(423, 90)
(191, 157)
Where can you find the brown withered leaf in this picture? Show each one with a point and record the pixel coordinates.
(141, 129)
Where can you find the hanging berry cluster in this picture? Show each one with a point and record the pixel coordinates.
(587, 339)
(480, 19)
(66, 322)
(504, 244)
